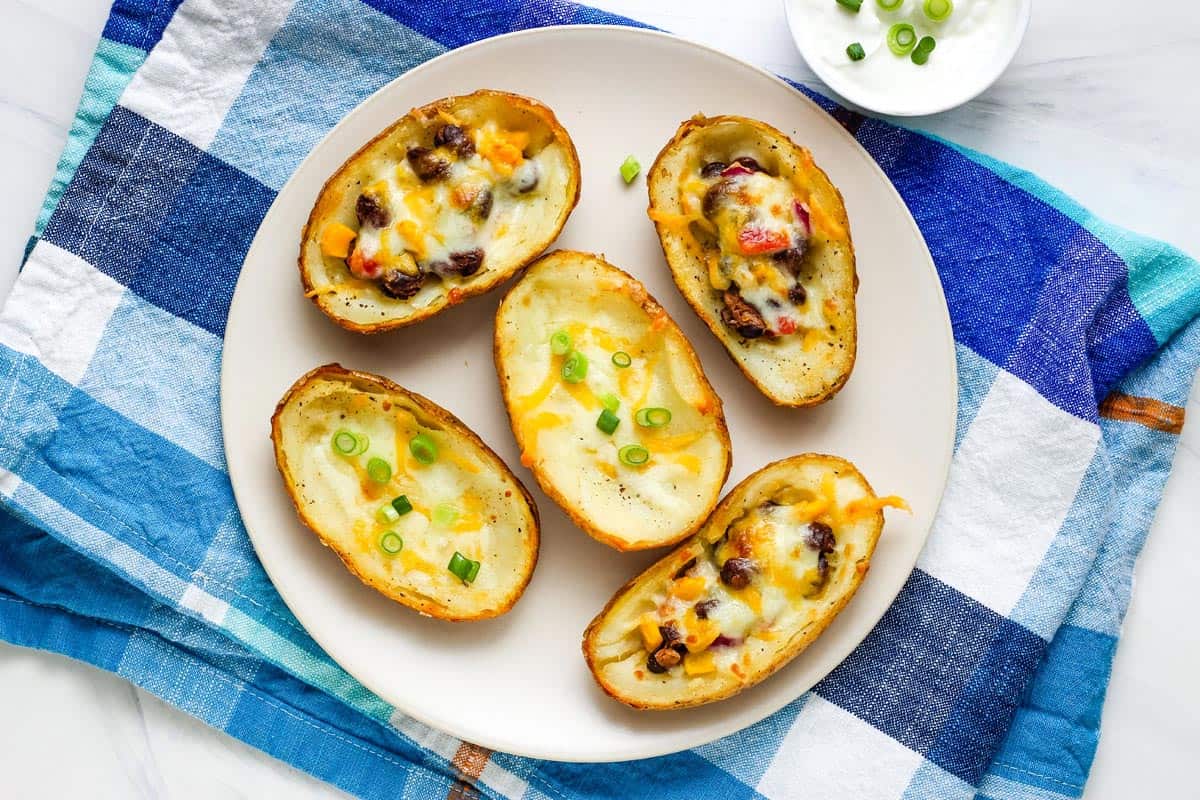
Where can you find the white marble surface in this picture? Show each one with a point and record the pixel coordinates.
(1096, 103)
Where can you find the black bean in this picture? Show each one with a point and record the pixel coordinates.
(685, 569)
(742, 317)
(395, 283)
(370, 211)
(713, 168)
(820, 537)
(669, 633)
(792, 258)
(427, 164)
(797, 294)
(705, 607)
(653, 665)
(466, 262)
(749, 163)
(716, 195)
(525, 177)
(666, 658)
(737, 572)
(456, 139)
(481, 206)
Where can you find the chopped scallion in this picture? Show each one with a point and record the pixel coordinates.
(362, 443)
(463, 567)
(855, 52)
(920, 55)
(901, 38)
(401, 505)
(610, 401)
(621, 359)
(560, 343)
(850, 5)
(575, 366)
(423, 448)
(652, 417)
(445, 515)
(630, 169)
(608, 421)
(344, 443)
(890, 5)
(379, 470)
(633, 455)
(938, 10)
(391, 543)
(387, 513)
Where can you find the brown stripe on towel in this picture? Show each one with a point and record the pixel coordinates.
(469, 760)
(1144, 411)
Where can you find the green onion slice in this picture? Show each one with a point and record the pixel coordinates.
(560, 343)
(855, 51)
(938, 10)
(608, 421)
(610, 401)
(344, 443)
(401, 505)
(652, 417)
(463, 567)
(901, 38)
(630, 169)
(574, 368)
(379, 470)
(445, 515)
(423, 448)
(364, 442)
(633, 455)
(890, 5)
(924, 47)
(391, 543)
(387, 513)
(852, 5)
(621, 359)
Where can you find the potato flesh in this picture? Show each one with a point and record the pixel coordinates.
(341, 501)
(555, 422)
(772, 617)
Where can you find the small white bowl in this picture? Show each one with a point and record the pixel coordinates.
(812, 36)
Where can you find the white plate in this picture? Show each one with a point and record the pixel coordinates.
(519, 683)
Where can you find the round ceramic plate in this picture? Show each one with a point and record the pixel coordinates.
(519, 683)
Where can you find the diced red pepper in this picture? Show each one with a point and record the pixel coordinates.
(362, 267)
(735, 169)
(755, 240)
(804, 217)
(787, 325)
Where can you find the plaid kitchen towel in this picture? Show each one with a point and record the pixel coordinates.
(1076, 343)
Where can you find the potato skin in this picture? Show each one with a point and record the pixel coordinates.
(331, 198)
(635, 290)
(802, 388)
(368, 381)
(742, 497)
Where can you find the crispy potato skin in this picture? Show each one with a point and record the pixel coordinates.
(331, 197)
(370, 382)
(634, 288)
(734, 503)
(689, 274)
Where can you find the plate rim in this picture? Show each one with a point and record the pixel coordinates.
(497, 743)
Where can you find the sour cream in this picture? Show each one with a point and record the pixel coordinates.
(974, 45)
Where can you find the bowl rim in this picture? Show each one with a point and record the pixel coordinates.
(845, 90)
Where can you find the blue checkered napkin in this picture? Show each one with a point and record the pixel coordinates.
(123, 547)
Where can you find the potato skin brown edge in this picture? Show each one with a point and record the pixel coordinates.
(785, 654)
(652, 308)
(325, 200)
(726, 337)
(422, 605)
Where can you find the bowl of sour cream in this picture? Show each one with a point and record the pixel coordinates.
(908, 57)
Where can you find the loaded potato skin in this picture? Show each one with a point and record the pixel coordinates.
(410, 499)
(447, 203)
(609, 403)
(779, 558)
(758, 242)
